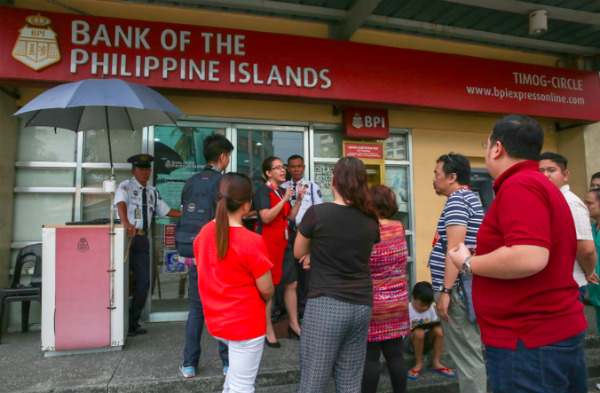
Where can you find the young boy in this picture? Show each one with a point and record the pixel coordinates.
(425, 332)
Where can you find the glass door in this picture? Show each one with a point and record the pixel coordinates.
(178, 155)
(257, 142)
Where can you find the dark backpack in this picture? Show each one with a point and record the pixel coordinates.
(198, 200)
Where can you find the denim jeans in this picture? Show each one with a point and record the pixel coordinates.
(559, 367)
(195, 325)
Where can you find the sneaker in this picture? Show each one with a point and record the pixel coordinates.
(187, 371)
(225, 369)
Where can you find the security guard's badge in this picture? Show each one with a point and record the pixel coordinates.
(37, 46)
(357, 121)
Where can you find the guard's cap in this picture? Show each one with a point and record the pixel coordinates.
(141, 160)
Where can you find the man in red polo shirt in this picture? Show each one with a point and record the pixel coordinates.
(524, 294)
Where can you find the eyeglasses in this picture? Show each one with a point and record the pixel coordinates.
(279, 167)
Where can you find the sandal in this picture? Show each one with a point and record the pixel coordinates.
(414, 374)
(444, 371)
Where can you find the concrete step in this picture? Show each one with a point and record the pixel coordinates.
(149, 363)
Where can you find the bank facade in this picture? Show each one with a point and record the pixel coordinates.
(273, 87)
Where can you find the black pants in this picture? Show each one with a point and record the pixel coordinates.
(139, 264)
(394, 357)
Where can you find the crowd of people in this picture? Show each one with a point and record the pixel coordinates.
(510, 281)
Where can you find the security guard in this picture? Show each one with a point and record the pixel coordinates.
(137, 203)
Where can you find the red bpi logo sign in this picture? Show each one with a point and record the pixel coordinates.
(366, 124)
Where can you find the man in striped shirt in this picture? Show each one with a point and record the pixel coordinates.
(458, 223)
(554, 167)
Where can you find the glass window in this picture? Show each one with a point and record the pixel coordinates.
(95, 206)
(47, 144)
(328, 144)
(256, 145)
(95, 177)
(323, 177)
(124, 143)
(178, 155)
(39, 177)
(32, 211)
(395, 147)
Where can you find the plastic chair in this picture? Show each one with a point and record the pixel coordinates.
(24, 293)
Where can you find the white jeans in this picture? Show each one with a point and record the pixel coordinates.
(244, 359)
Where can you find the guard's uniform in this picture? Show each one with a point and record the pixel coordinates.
(311, 197)
(132, 193)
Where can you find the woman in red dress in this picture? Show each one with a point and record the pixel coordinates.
(274, 212)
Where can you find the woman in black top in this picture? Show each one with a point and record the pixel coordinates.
(335, 240)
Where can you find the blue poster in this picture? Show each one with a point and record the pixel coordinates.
(172, 262)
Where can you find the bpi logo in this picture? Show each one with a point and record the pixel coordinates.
(367, 121)
(36, 46)
(83, 245)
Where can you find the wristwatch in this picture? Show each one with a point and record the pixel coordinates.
(443, 289)
(466, 266)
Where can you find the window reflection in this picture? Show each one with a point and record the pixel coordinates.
(328, 144)
(46, 144)
(32, 211)
(253, 146)
(395, 147)
(36, 177)
(124, 144)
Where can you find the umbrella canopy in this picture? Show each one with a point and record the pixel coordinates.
(94, 104)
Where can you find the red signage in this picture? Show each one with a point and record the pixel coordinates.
(169, 235)
(366, 124)
(57, 48)
(363, 150)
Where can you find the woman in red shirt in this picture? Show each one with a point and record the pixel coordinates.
(274, 213)
(234, 280)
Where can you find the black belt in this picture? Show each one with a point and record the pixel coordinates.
(141, 232)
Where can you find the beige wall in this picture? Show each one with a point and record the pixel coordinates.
(8, 148)
(571, 144)
(591, 136)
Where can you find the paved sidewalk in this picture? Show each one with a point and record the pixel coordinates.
(149, 363)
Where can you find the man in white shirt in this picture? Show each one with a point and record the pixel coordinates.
(554, 167)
